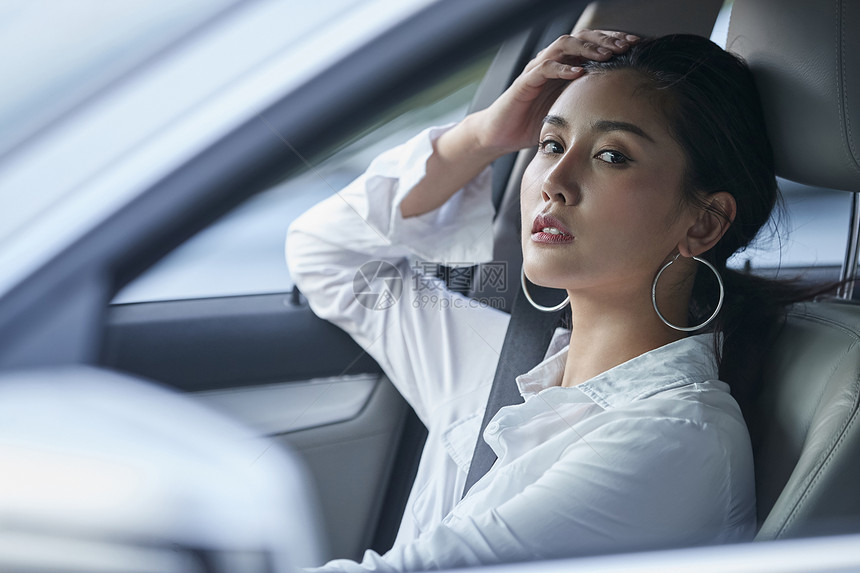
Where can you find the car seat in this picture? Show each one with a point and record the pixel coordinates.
(805, 56)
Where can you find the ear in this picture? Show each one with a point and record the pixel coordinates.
(712, 221)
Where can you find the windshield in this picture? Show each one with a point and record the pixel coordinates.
(107, 97)
(59, 52)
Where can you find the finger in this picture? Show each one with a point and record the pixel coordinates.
(629, 38)
(603, 42)
(573, 49)
(588, 44)
(555, 51)
(550, 70)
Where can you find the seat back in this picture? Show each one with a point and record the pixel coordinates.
(808, 458)
(805, 56)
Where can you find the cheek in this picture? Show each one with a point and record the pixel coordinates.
(529, 195)
(530, 184)
(652, 199)
(637, 216)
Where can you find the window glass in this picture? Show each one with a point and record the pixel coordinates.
(63, 51)
(243, 253)
(810, 229)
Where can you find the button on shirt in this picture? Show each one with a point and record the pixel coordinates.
(653, 452)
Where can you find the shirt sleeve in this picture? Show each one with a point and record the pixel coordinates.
(627, 487)
(436, 346)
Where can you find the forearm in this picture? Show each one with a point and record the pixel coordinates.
(459, 156)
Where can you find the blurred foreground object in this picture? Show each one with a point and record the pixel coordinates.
(103, 472)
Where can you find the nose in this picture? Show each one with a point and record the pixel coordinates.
(560, 182)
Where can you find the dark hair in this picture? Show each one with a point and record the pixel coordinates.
(710, 100)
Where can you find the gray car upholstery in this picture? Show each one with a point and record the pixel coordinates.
(808, 461)
(806, 59)
(805, 56)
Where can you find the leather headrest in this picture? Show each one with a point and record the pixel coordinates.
(652, 18)
(805, 55)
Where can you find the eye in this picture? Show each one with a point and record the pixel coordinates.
(612, 157)
(550, 146)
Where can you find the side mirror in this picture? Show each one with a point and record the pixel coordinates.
(103, 472)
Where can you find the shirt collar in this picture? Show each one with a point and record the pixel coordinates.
(676, 364)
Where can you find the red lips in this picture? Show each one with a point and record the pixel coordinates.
(543, 221)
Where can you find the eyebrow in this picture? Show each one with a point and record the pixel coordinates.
(604, 125)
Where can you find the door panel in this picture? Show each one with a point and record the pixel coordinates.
(206, 344)
(351, 463)
(291, 406)
(269, 362)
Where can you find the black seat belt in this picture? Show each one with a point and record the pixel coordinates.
(528, 336)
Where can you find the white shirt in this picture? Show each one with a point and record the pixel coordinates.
(653, 452)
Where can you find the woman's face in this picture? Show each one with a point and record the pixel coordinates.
(607, 176)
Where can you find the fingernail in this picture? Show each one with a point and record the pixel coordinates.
(632, 38)
(603, 50)
(575, 69)
(621, 43)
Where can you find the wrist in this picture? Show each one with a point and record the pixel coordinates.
(483, 145)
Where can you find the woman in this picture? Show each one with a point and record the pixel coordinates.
(652, 162)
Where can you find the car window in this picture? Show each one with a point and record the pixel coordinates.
(810, 229)
(128, 113)
(65, 51)
(243, 252)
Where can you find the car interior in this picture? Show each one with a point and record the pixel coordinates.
(808, 442)
(300, 380)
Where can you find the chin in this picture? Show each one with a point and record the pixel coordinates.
(543, 272)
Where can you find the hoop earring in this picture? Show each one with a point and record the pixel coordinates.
(559, 306)
(716, 310)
